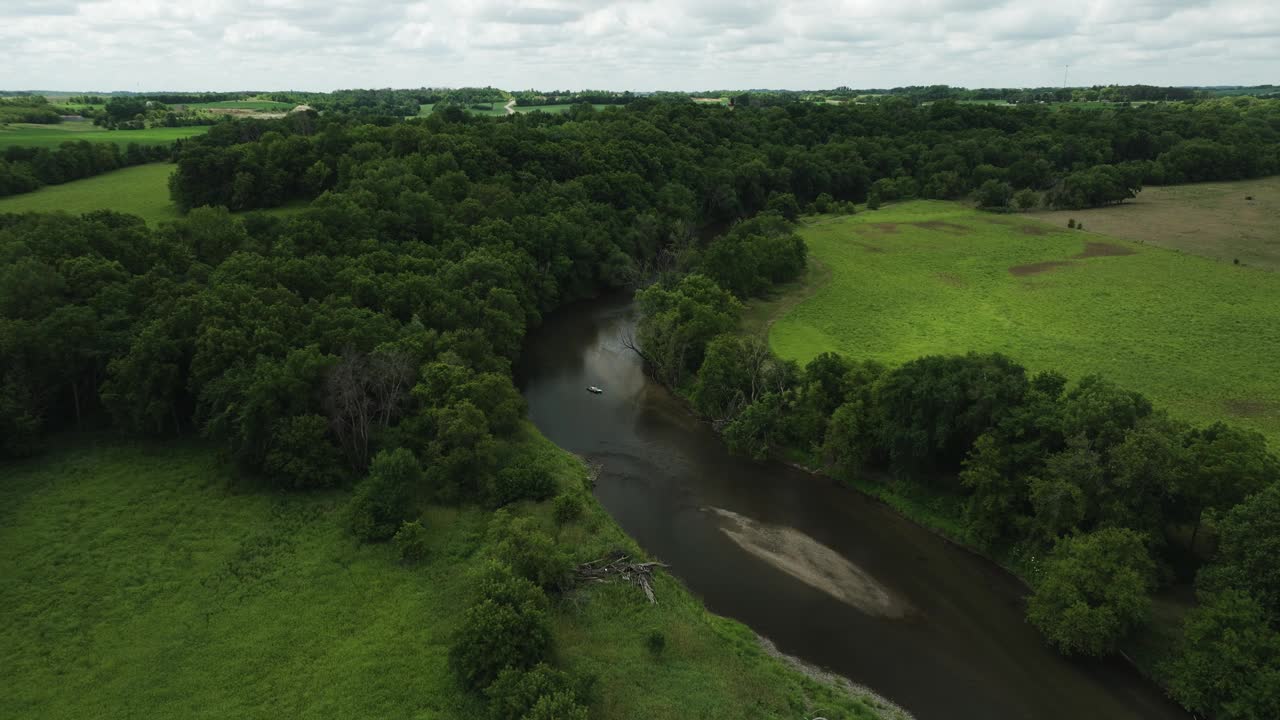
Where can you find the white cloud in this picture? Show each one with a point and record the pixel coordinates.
(631, 44)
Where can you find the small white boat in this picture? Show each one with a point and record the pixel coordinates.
(595, 390)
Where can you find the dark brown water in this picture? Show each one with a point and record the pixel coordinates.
(829, 575)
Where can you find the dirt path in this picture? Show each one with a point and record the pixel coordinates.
(511, 106)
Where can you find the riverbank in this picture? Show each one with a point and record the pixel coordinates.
(143, 579)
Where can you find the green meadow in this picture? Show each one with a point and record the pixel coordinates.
(50, 136)
(141, 580)
(141, 190)
(1198, 337)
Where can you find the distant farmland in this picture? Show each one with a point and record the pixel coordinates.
(1198, 337)
(50, 136)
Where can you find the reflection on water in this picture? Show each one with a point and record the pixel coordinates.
(829, 575)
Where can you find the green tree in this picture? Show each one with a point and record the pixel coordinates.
(1228, 663)
(1095, 590)
(381, 501)
(508, 627)
(1248, 548)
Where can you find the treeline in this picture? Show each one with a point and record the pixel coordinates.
(734, 161)
(23, 169)
(1093, 494)
(535, 98)
(28, 109)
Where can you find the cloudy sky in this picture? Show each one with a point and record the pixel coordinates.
(629, 44)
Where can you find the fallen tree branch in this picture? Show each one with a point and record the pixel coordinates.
(620, 567)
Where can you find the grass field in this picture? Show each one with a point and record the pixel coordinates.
(260, 105)
(50, 136)
(141, 190)
(1216, 220)
(139, 581)
(1198, 337)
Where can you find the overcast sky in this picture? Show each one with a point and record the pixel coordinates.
(607, 44)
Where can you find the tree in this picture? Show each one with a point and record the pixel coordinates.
(507, 627)
(381, 500)
(994, 194)
(1095, 590)
(1227, 465)
(301, 455)
(1248, 546)
(1227, 665)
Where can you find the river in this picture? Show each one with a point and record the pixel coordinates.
(829, 575)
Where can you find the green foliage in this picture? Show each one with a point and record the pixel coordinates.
(301, 454)
(754, 254)
(507, 628)
(557, 706)
(410, 542)
(994, 194)
(566, 508)
(530, 553)
(1228, 663)
(1094, 591)
(1248, 545)
(515, 693)
(677, 324)
(656, 642)
(522, 481)
(381, 501)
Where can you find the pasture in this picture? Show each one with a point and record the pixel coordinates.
(50, 136)
(140, 580)
(1225, 221)
(141, 190)
(257, 105)
(1198, 337)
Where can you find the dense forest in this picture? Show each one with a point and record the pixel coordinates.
(733, 161)
(369, 340)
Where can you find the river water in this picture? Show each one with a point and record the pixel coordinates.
(829, 575)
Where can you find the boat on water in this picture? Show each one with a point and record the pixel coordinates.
(594, 389)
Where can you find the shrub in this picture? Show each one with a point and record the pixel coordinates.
(507, 628)
(301, 456)
(381, 500)
(873, 201)
(516, 692)
(656, 642)
(1026, 198)
(522, 482)
(1080, 226)
(566, 509)
(557, 706)
(531, 553)
(411, 542)
(1071, 223)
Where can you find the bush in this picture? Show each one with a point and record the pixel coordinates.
(531, 553)
(516, 692)
(1026, 198)
(522, 482)
(301, 455)
(411, 542)
(656, 642)
(1095, 590)
(507, 628)
(381, 500)
(873, 201)
(566, 509)
(558, 706)
(1071, 223)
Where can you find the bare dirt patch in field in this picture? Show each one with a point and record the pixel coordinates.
(1215, 220)
(1037, 268)
(944, 226)
(949, 278)
(885, 228)
(1252, 408)
(1101, 249)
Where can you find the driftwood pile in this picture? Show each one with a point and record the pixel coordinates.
(619, 566)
